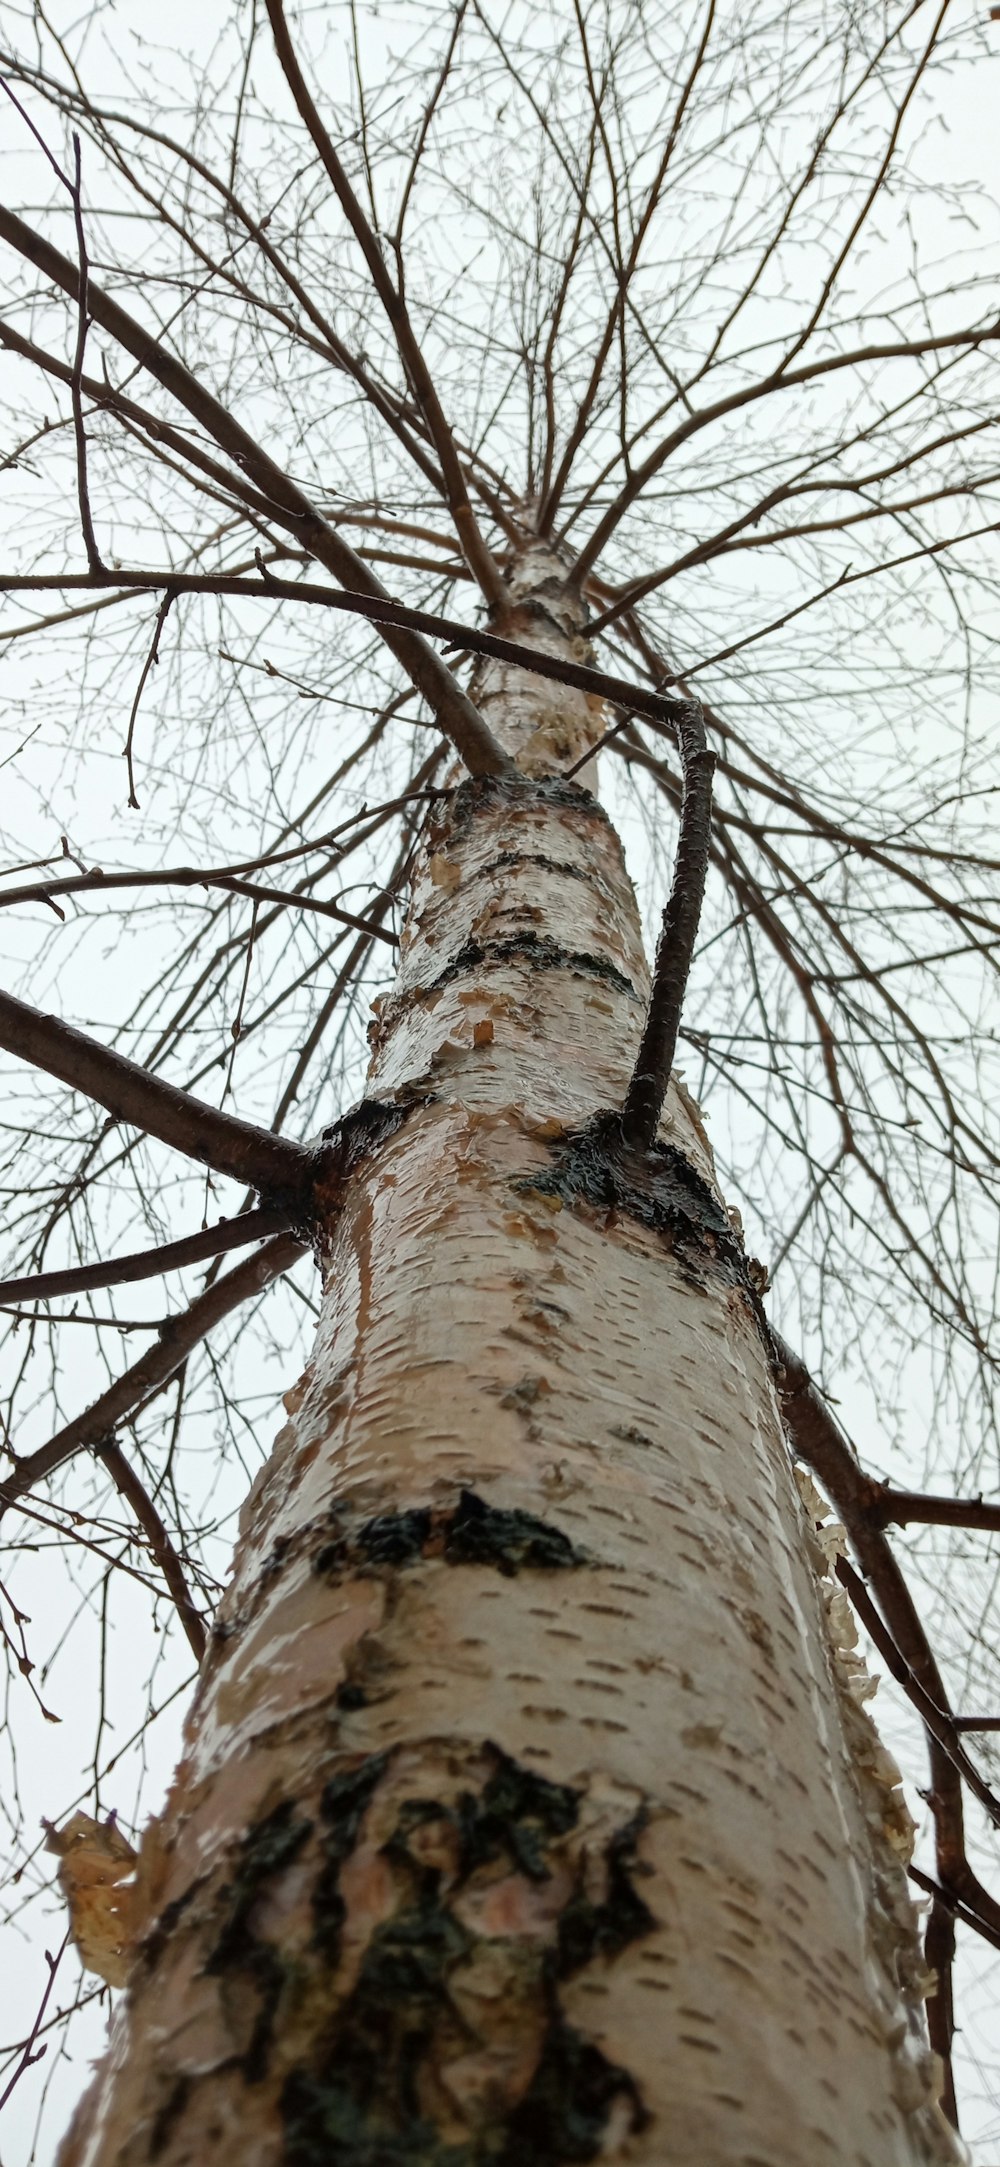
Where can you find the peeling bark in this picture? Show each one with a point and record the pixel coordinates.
(527, 1811)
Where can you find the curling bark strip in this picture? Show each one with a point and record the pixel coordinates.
(525, 1815)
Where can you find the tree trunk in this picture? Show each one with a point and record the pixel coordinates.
(526, 1813)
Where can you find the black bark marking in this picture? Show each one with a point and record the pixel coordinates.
(395, 1538)
(266, 1848)
(170, 2112)
(345, 1146)
(350, 1696)
(368, 2093)
(538, 950)
(361, 1131)
(519, 793)
(659, 1187)
(472, 1533)
(588, 1929)
(565, 2110)
(481, 1534)
(384, 2033)
(345, 1798)
(155, 1940)
(507, 860)
(343, 1804)
(518, 1812)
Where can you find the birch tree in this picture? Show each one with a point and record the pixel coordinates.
(514, 488)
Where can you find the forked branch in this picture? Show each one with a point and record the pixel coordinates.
(288, 504)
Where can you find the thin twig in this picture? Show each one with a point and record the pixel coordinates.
(679, 931)
(236, 1027)
(83, 489)
(127, 1482)
(74, 190)
(151, 659)
(27, 2056)
(17, 1649)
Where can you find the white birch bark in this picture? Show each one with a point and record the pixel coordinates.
(526, 1813)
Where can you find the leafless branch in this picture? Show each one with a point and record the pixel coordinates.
(133, 1094)
(210, 1241)
(560, 669)
(161, 1548)
(822, 1445)
(83, 490)
(29, 2053)
(97, 882)
(138, 1385)
(938, 1721)
(151, 659)
(675, 947)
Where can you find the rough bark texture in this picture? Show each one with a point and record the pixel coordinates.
(527, 1813)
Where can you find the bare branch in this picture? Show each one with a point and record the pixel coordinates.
(890, 1507)
(83, 491)
(555, 493)
(150, 662)
(127, 1482)
(679, 931)
(210, 1241)
(822, 1445)
(767, 387)
(97, 882)
(937, 1720)
(952, 1904)
(133, 1094)
(139, 1384)
(30, 2053)
(380, 610)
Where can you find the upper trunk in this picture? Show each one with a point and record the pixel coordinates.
(526, 1815)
